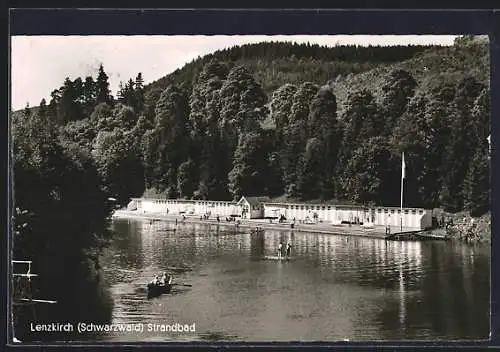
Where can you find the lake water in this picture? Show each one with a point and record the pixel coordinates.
(333, 288)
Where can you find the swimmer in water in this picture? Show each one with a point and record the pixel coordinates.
(280, 249)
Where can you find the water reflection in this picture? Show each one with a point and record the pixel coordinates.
(402, 309)
(334, 287)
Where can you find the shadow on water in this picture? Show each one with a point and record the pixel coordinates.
(456, 283)
(216, 336)
(335, 287)
(85, 301)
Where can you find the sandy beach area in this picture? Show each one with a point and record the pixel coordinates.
(320, 227)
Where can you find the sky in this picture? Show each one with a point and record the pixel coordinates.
(40, 64)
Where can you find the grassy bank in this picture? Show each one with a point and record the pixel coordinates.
(465, 228)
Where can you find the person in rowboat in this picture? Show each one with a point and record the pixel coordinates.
(166, 279)
(156, 280)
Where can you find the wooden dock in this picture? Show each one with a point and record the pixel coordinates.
(421, 235)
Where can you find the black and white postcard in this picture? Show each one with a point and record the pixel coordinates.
(250, 188)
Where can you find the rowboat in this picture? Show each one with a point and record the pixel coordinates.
(155, 290)
(275, 257)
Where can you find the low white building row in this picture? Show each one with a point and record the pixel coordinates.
(337, 214)
(185, 206)
(258, 207)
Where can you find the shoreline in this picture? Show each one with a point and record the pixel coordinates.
(323, 228)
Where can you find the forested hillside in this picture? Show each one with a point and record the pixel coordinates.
(291, 120)
(276, 63)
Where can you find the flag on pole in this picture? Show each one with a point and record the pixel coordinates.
(403, 175)
(403, 167)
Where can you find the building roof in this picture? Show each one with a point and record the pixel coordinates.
(255, 200)
(190, 201)
(339, 206)
(269, 202)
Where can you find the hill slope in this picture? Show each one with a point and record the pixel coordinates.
(430, 68)
(276, 63)
(345, 69)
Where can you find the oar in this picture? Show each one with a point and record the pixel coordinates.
(180, 284)
(178, 268)
(125, 271)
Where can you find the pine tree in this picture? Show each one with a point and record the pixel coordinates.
(295, 134)
(281, 104)
(27, 111)
(131, 96)
(149, 151)
(302, 98)
(52, 111)
(69, 106)
(103, 94)
(204, 101)
(477, 184)
(209, 151)
(280, 110)
(241, 99)
(186, 181)
(373, 173)
(151, 96)
(248, 176)
(362, 121)
(460, 149)
(120, 95)
(42, 110)
(323, 125)
(399, 86)
(139, 93)
(127, 95)
(435, 133)
(423, 133)
(274, 183)
(170, 124)
(311, 172)
(89, 96)
(295, 140)
(481, 117)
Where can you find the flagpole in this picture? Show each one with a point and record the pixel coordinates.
(402, 180)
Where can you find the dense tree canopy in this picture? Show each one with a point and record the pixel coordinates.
(60, 215)
(295, 120)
